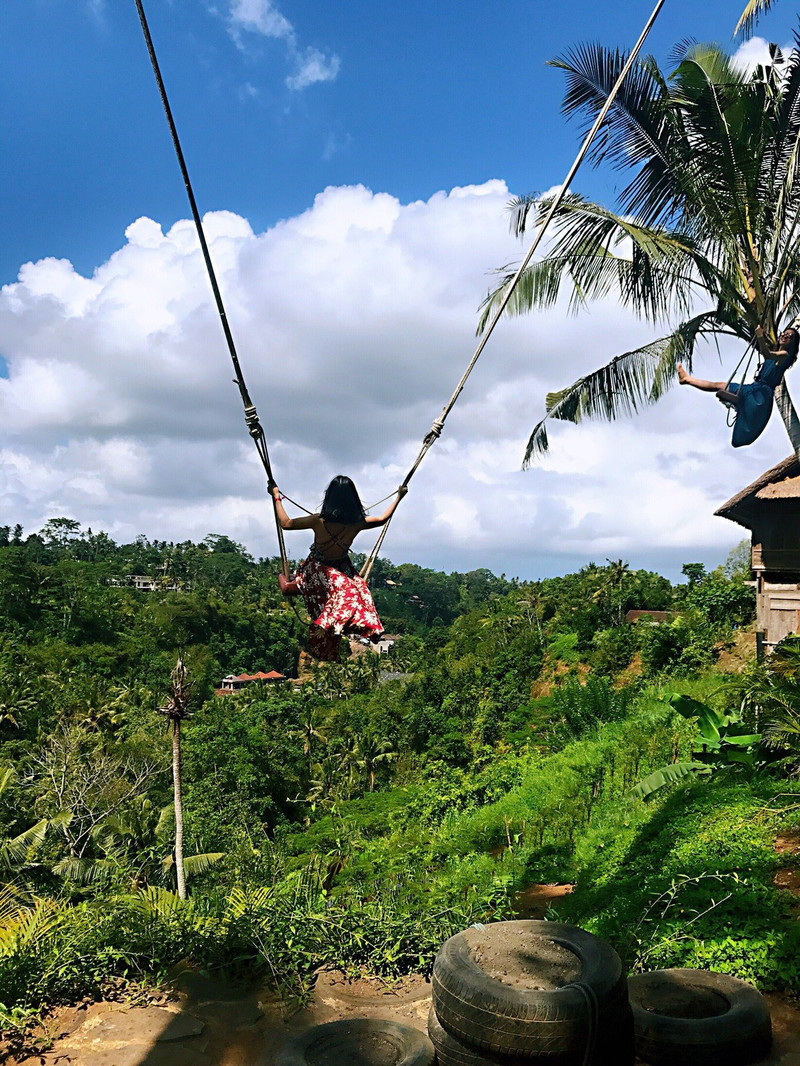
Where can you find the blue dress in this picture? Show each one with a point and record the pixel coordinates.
(755, 407)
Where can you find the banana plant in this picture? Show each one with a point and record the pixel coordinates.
(725, 741)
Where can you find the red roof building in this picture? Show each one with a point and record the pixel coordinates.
(235, 682)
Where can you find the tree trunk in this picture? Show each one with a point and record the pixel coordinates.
(176, 782)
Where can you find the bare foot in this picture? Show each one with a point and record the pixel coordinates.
(683, 377)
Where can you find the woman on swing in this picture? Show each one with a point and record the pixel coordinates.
(336, 596)
(753, 401)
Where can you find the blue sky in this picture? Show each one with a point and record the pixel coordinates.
(426, 96)
(356, 158)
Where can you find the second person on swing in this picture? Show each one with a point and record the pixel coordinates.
(336, 596)
(753, 401)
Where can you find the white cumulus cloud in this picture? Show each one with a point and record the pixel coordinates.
(353, 320)
(755, 52)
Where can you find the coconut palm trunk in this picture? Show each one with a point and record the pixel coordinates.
(177, 710)
(178, 798)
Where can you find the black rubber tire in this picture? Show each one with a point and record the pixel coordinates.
(358, 1042)
(742, 1034)
(547, 1026)
(451, 1052)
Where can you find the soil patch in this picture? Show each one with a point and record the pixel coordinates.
(210, 1023)
(533, 901)
(528, 961)
(788, 844)
(789, 879)
(734, 655)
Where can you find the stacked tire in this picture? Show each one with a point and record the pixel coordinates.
(530, 992)
(698, 1018)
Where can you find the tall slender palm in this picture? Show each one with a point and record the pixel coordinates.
(310, 731)
(177, 710)
(706, 235)
(372, 753)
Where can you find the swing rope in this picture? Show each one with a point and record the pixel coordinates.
(251, 416)
(438, 425)
(252, 421)
(732, 409)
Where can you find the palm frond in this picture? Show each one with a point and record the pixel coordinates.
(519, 208)
(158, 903)
(538, 286)
(7, 777)
(85, 871)
(653, 271)
(16, 851)
(30, 925)
(12, 900)
(633, 130)
(754, 9)
(624, 385)
(199, 864)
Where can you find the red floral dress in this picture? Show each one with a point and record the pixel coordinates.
(338, 600)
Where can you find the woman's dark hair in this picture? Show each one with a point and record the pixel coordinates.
(341, 502)
(794, 344)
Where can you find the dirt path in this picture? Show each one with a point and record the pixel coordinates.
(210, 1024)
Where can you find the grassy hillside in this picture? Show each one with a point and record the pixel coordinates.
(357, 823)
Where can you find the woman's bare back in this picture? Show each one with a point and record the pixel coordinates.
(332, 540)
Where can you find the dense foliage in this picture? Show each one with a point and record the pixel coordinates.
(361, 817)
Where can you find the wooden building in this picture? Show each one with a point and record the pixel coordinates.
(770, 510)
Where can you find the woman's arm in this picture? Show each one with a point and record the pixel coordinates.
(287, 522)
(763, 344)
(380, 520)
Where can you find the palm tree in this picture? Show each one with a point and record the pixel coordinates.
(309, 731)
(618, 572)
(19, 854)
(136, 845)
(371, 754)
(706, 232)
(177, 710)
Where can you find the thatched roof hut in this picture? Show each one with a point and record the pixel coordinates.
(770, 509)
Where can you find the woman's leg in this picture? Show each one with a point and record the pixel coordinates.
(698, 383)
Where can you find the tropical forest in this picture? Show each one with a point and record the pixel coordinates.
(606, 730)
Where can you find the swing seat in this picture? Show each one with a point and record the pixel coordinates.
(753, 411)
(729, 397)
